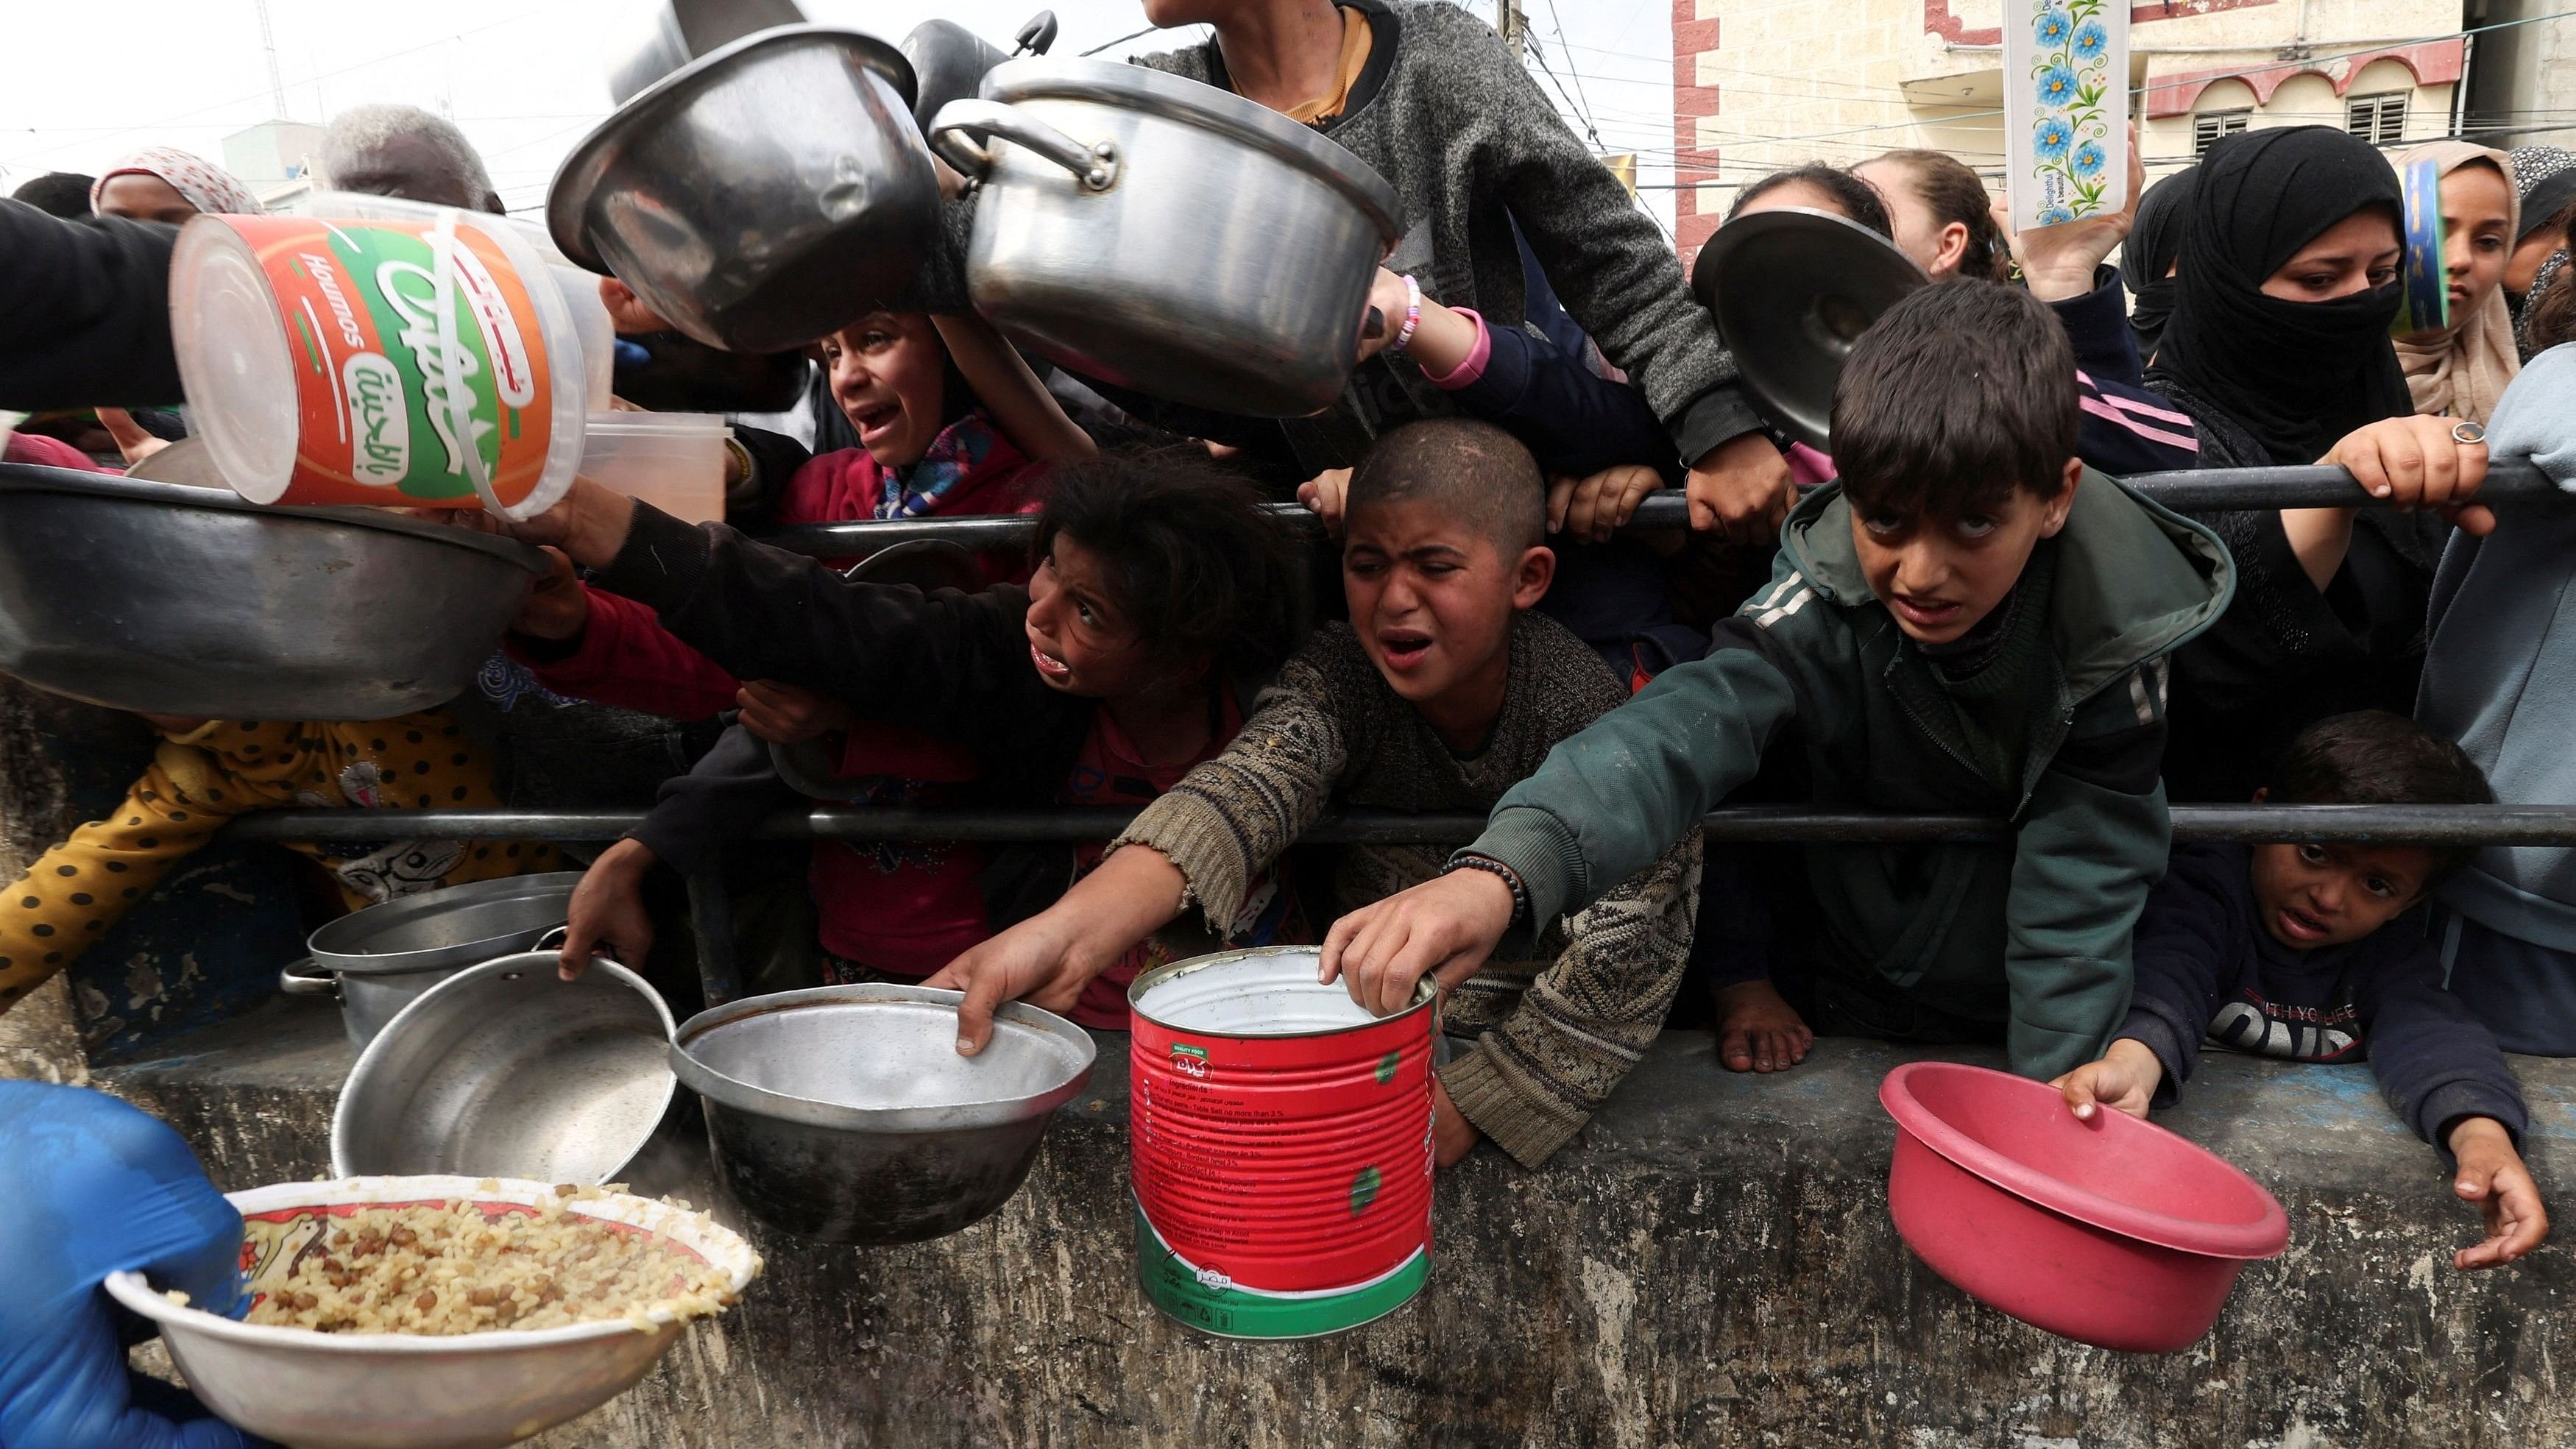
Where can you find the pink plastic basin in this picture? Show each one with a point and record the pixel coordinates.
(2110, 1232)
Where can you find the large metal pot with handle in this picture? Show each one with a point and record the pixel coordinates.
(376, 961)
(1166, 235)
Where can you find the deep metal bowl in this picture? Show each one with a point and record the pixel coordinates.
(379, 960)
(1167, 235)
(504, 1070)
(762, 196)
(409, 1391)
(844, 1113)
(189, 601)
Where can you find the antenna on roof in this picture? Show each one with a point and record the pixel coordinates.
(276, 82)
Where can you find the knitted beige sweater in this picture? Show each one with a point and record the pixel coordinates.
(1558, 1019)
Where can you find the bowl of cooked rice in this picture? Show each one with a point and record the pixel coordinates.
(443, 1312)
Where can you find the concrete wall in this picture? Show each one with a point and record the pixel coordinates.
(2522, 80)
(1711, 1263)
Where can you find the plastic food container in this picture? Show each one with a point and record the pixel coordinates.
(400, 358)
(674, 461)
(2111, 1232)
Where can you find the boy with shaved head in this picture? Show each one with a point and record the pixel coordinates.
(1442, 692)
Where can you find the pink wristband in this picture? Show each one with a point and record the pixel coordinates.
(1472, 366)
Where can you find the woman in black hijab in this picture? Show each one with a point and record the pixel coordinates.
(2278, 350)
(2147, 257)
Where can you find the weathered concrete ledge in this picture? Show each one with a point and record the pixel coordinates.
(1711, 1263)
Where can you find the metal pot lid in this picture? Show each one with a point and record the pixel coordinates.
(578, 178)
(349, 945)
(117, 488)
(1792, 290)
(1142, 88)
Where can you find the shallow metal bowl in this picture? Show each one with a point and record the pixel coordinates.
(379, 960)
(502, 1069)
(845, 1114)
(407, 1391)
(762, 196)
(188, 601)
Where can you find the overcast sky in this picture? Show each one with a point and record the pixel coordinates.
(98, 78)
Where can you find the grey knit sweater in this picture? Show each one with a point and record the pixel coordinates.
(1558, 1019)
(1470, 144)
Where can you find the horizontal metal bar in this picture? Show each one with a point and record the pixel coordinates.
(2442, 824)
(2199, 491)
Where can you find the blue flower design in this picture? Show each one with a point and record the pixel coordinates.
(2089, 159)
(2056, 85)
(2091, 40)
(2051, 138)
(2052, 28)
(2055, 216)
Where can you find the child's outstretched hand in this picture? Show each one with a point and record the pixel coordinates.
(2492, 1176)
(608, 910)
(2124, 1080)
(557, 608)
(1444, 928)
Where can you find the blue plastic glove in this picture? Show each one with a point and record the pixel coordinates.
(95, 1186)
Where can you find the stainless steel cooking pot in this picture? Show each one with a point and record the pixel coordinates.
(380, 959)
(505, 1070)
(664, 35)
(1167, 235)
(762, 196)
(188, 601)
(844, 1113)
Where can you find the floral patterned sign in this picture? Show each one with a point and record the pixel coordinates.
(2066, 108)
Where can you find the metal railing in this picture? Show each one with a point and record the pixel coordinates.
(2209, 490)
(2200, 491)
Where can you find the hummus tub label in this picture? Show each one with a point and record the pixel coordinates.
(418, 363)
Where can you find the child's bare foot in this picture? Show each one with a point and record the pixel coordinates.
(1759, 1031)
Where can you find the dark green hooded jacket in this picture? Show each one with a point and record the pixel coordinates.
(2032, 936)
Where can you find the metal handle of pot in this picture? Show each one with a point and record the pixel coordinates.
(553, 938)
(295, 983)
(961, 129)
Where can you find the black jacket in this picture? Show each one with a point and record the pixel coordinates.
(86, 318)
(2206, 967)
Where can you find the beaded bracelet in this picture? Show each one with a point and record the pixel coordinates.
(1510, 878)
(1412, 316)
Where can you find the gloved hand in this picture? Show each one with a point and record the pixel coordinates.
(96, 1186)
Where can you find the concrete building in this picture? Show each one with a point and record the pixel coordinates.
(2522, 73)
(1760, 84)
(275, 159)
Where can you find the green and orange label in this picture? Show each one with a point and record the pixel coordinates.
(420, 363)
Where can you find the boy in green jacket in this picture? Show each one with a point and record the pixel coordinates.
(1969, 621)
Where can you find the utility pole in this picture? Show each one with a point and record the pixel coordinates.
(1513, 24)
(276, 83)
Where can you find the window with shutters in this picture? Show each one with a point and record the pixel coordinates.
(2380, 119)
(2207, 129)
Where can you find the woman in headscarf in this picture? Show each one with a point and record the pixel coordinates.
(2278, 350)
(163, 183)
(2459, 370)
(2545, 179)
(2147, 259)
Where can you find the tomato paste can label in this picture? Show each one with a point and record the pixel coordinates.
(1281, 1154)
(419, 359)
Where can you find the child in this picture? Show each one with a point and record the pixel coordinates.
(208, 771)
(2318, 953)
(1967, 622)
(1443, 691)
(1163, 594)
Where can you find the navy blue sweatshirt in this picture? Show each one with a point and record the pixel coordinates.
(2205, 965)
